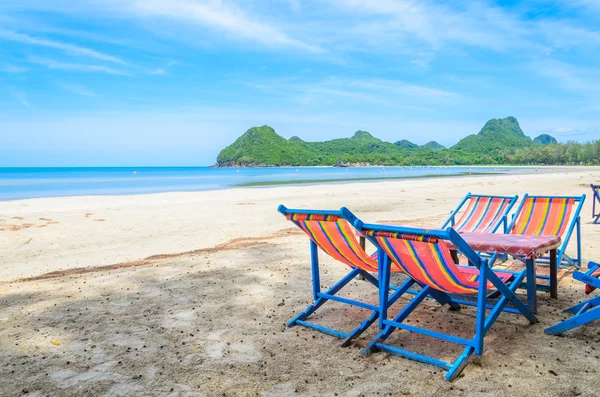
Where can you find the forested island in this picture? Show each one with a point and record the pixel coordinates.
(500, 141)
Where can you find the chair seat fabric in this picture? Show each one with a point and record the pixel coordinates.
(590, 288)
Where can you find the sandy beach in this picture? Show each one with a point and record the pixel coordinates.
(187, 294)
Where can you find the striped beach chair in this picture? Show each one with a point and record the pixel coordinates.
(332, 233)
(596, 215)
(551, 216)
(584, 312)
(424, 256)
(481, 214)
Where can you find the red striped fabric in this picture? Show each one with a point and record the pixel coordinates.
(483, 214)
(544, 216)
(337, 239)
(590, 288)
(430, 263)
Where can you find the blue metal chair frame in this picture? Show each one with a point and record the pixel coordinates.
(595, 215)
(330, 295)
(583, 312)
(562, 259)
(483, 323)
(451, 221)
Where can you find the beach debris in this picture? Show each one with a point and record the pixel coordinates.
(55, 342)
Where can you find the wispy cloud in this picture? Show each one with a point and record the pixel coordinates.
(77, 89)
(226, 18)
(68, 48)
(575, 79)
(13, 69)
(22, 99)
(401, 87)
(74, 67)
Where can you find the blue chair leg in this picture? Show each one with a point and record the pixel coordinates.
(574, 322)
(459, 364)
(374, 316)
(412, 305)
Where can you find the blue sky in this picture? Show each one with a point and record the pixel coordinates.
(171, 82)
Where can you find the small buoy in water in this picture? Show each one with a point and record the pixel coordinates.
(296, 169)
(134, 172)
(238, 170)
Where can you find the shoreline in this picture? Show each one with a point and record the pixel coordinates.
(515, 170)
(44, 235)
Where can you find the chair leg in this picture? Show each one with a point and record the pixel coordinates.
(320, 300)
(412, 305)
(510, 295)
(574, 322)
(459, 364)
(589, 304)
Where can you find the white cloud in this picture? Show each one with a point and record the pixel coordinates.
(77, 89)
(13, 69)
(216, 15)
(74, 67)
(578, 80)
(68, 48)
(22, 99)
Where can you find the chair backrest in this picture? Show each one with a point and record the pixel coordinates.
(483, 213)
(596, 189)
(546, 215)
(331, 231)
(424, 256)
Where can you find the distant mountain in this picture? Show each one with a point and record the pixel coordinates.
(434, 145)
(262, 146)
(406, 144)
(544, 139)
(500, 141)
(495, 136)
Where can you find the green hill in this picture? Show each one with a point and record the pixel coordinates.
(500, 141)
(495, 136)
(434, 145)
(262, 146)
(406, 144)
(544, 139)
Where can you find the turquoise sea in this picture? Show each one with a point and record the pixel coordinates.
(21, 183)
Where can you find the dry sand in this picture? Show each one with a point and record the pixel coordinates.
(186, 294)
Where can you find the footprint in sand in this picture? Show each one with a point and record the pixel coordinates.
(99, 220)
(19, 218)
(88, 214)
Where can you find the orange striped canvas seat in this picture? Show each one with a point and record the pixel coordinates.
(428, 261)
(483, 214)
(544, 216)
(336, 238)
(590, 288)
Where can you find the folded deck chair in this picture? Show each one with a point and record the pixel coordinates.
(596, 215)
(330, 231)
(583, 312)
(424, 256)
(483, 214)
(551, 216)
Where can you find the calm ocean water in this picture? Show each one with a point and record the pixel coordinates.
(20, 183)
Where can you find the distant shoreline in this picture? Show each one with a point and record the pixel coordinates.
(73, 182)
